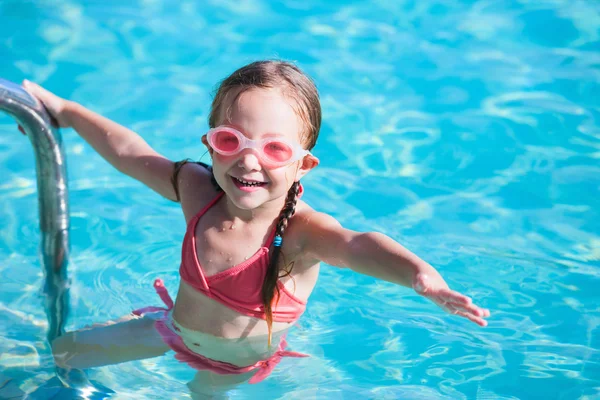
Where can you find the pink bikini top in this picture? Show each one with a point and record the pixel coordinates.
(238, 287)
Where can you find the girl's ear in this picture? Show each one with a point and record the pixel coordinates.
(306, 164)
(205, 142)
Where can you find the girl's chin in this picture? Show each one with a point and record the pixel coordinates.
(248, 203)
(248, 199)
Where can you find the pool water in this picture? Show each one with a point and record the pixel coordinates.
(467, 130)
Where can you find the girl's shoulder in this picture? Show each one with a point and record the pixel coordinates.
(306, 224)
(306, 218)
(193, 183)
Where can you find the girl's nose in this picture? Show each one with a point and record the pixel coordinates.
(249, 160)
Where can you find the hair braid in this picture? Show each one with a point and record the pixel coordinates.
(269, 287)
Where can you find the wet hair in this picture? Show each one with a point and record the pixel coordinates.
(298, 87)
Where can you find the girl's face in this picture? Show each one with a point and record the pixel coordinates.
(257, 114)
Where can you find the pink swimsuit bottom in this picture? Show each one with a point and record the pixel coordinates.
(198, 361)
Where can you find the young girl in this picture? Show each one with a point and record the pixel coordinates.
(252, 250)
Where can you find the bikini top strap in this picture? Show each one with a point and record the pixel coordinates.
(177, 167)
(190, 235)
(203, 211)
(174, 182)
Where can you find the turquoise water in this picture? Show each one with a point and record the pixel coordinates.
(467, 130)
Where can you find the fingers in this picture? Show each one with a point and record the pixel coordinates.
(451, 296)
(54, 104)
(38, 91)
(479, 321)
(27, 84)
(458, 304)
(464, 302)
(30, 86)
(476, 317)
(49, 99)
(473, 310)
(449, 300)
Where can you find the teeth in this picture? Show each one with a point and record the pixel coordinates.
(246, 183)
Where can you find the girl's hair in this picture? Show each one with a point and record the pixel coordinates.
(298, 87)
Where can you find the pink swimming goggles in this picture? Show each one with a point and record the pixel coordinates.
(274, 151)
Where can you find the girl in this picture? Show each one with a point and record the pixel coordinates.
(252, 250)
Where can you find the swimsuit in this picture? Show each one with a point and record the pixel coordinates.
(239, 288)
(171, 335)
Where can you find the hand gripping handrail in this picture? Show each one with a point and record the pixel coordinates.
(53, 200)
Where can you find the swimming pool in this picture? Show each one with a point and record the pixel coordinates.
(466, 130)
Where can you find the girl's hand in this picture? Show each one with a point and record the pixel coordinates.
(436, 289)
(55, 105)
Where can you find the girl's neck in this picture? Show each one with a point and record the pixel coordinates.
(267, 212)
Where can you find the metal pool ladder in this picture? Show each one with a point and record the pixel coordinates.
(51, 169)
(50, 164)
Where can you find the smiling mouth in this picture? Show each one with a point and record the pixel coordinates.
(245, 183)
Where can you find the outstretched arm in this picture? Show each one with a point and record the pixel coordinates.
(122, 148)
(379, 256)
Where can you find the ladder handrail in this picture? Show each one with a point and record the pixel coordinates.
(51, 171)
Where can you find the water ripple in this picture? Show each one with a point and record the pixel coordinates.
(466, 130)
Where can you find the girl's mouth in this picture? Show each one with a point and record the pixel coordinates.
(247, 186)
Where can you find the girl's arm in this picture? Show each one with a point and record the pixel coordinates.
(122, 148)
(379, 256)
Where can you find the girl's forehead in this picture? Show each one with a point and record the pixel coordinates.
(259, 112)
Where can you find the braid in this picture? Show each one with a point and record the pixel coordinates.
(270, 283)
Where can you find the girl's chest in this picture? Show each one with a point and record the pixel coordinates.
(219, 248)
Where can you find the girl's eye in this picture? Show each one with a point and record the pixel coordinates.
(226, 137)
(226, 141)
(276, 147)
(278, 151)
